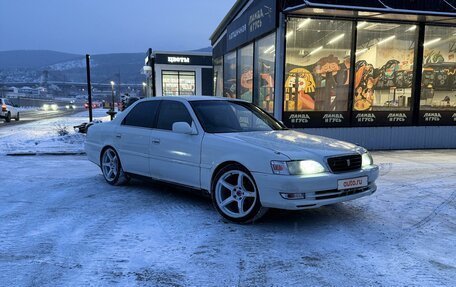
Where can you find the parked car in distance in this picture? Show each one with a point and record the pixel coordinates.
(8, 110)
(247, 160)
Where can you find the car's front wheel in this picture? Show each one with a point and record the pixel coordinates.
(17, 117)
(235, 195)
(112, 168)
(8, 117)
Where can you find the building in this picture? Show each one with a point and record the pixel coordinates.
(178, 73)
(378, 73)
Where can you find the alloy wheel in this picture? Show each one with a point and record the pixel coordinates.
(235, 193)
(109, 164)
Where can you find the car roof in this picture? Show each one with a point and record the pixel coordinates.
(191, 98)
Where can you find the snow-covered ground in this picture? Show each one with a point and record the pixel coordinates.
(62, 225)
(54, 135)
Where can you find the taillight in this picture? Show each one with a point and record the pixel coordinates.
(3, 108)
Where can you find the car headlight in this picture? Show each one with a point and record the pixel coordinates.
(45, 107)
(366, 159)
(54, 107)
(299, 167)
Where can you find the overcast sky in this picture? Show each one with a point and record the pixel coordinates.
(106, 26)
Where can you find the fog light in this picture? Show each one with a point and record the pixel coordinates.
(286, 195)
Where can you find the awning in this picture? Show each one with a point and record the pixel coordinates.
(440, 8)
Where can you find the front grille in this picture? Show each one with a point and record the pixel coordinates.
(345, 163)
(328, 194)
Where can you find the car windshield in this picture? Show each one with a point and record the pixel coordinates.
(233, 116)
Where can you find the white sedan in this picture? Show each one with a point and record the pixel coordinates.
(247, 160)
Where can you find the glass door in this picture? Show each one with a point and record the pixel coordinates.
(179, 83)
(170, 82)
(187, 83)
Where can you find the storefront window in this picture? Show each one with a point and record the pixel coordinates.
(218, 77)
(317, 65)
(170, 83)
(438, 85)
(265, 73)
(384, 66)
(186, 83)
(178, 83)
(229, 75)
(245, 73)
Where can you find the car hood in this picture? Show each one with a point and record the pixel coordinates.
(295, 145)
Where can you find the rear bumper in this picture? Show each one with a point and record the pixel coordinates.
(319, 190)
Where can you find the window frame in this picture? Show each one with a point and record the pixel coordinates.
(159, 111)
(163, 72)
(414, 112)
(154, 121)
(256, 71)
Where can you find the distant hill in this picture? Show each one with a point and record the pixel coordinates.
(27, 66)
(207, 49)
(33, 58)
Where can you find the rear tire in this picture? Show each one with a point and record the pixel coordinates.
(235, 195)
(112, 168)
(17, 117)
(8, 117)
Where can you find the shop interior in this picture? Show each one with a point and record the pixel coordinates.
(178, 83)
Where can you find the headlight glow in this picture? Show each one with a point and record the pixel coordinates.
(45, 107)
(367, 159)
(54, 107)
(305, 167)
(299, 167)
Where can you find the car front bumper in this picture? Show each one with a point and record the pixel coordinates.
(3, 114)
(319, 189)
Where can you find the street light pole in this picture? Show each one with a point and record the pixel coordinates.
(111, 111)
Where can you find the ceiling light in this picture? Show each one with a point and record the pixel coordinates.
(335, 39)
(361, 24)
(386, 39)
(269, 49)
(289, 34)
(432, 42)
(360, 51)
(413, 28)
(303, 23)
(316, 50)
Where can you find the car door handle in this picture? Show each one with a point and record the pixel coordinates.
(156, 141)
(118, 136)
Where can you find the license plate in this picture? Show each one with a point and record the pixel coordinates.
(352, 183)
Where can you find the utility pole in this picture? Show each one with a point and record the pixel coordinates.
(89, 87)
(118, 88)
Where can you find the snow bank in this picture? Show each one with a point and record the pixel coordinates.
(50, 136)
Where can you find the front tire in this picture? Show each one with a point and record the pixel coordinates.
(8, 117)
(235, 195)
(112, 168)
(17, 117)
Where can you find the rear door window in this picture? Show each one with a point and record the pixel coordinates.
(142, 115)
(172, 112)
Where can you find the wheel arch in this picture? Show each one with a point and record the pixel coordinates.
(222, 165)
(105, 148)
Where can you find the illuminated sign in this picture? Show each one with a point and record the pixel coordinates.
(180, 60)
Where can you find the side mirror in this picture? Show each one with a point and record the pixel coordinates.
(183, 128)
